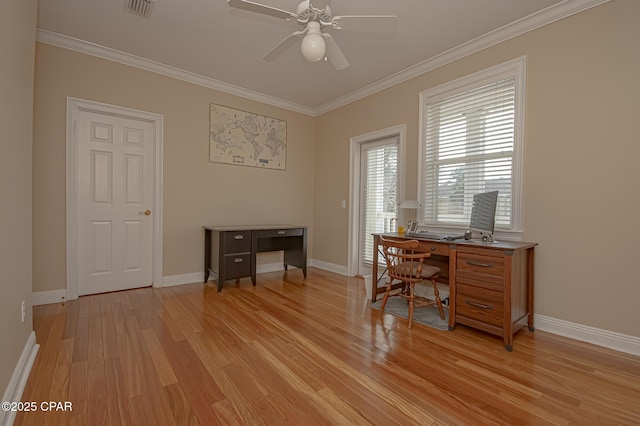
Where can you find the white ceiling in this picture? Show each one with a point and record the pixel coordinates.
(210, 43)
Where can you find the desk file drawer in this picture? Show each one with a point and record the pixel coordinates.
(480, 267)
(237, 265)
(237, 241)
(479, 304)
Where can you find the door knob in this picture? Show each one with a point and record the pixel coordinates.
(147, 212)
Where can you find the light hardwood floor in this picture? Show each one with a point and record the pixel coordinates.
(288, 352)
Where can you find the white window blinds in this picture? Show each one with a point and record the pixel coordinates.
(468, 148)
(379, 166)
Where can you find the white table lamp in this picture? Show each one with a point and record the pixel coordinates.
(410, 205)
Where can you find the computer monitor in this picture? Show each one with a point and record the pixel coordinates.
(483, 214)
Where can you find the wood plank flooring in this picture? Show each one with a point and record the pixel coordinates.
(306, 353)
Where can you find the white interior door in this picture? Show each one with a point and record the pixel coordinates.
(115, 202)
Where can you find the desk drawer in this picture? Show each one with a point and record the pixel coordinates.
(478, 267)
(237, 266)
(441, 249)
(267, 233)
(480, 304)
(237, 241)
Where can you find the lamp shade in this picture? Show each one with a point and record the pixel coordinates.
(409, 204)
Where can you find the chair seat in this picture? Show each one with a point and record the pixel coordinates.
(428, 271)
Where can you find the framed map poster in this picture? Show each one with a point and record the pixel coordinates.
(246, 139)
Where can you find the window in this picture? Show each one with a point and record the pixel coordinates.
(472, 142)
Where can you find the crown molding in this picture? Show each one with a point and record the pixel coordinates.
(514, 29)
(93, 49)
(544, 17)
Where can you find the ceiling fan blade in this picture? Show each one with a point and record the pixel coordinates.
(365, 22)
(334, 54)
(261, 8)
(283, 46)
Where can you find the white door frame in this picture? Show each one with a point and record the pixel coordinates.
(74, 107)
(398, 131)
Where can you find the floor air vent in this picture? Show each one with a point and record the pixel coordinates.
(140, 7)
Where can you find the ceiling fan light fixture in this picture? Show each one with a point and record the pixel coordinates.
(313, 46)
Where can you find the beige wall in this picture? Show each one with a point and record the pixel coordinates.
(196, 191)
(17, 38)
(582, 176)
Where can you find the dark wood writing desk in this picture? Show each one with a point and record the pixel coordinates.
(230, 251)
(490, 284)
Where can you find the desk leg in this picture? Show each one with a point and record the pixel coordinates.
(507, 321)
(374, 269)
(453, 265)
(296, 257)
(302, 263)
(220, 244)
(254, 252)
(253, 269)
(530, 268)
(207, 254)
(304, 252)
(296, 254)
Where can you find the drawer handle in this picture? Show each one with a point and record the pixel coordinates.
(281, 232)
(239, 237)
(484, 265)
(433, 248)
(478, 305)
(238, 260)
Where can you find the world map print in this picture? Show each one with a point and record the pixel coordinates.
(247, 139)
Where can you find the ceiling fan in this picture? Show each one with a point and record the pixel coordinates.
(313, 16)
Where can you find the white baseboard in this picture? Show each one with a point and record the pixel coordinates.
(608, 339)
(331, 267)
(197, 277)
(14, 390)
(46, 297)
(270, 267)
(190, 278)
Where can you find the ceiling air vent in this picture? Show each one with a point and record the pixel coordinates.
(140, 7)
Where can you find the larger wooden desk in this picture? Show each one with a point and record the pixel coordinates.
(230, 251)
(490, 284)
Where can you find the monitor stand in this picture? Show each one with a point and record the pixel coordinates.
(487, 238)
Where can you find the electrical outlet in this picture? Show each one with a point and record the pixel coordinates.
(23, 310)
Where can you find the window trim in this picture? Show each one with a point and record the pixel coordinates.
(514, 68)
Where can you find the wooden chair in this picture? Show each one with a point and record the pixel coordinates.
(406, 265)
